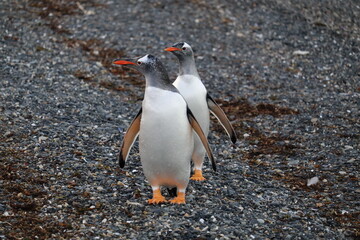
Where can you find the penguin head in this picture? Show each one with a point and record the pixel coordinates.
(146, 64)
(181, 50)
(152, 68)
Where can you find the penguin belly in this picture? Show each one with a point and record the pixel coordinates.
(194, 92)
(166, 139)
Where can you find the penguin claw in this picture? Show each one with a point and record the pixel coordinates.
(157, 200)
(178, 200)
(197, 176)
(157, 197)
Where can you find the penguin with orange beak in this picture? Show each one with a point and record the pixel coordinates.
(166, 128)
(200, 102)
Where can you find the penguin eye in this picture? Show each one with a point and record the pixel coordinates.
(139, 63)
(184, 48)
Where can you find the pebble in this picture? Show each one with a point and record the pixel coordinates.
(6, 214)
(8, 134)
(312, 181)
(61, 109)
(42, 138)
(314, 120)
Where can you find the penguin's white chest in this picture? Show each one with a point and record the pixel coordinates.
(166, 137)
(194, 92)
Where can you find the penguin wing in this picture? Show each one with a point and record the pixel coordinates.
(220, 115)
(129, 138)
(197, 128)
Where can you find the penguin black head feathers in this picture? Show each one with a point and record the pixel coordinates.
(182, 50)
(153, 70)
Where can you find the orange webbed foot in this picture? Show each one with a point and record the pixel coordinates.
(180, 199)
(157, 200)
(197, 176)
(157, 197)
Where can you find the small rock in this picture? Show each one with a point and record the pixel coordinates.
(8, 134)
(314, 120)
(261, 221)
(300, 52)
(134, 203)
(240, 34)
(344, 212)
(312, 181)
(6, 214)
(42, 138)
(348, 147)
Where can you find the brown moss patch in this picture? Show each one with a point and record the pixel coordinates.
(273, 145)
(240, 112)
(241, 108)
(95, 50)
(53, 10)
(296, 179)
(324, 193)
(84, 76)
(25, 195)
(29, 226)
(112, 85)
(60, 8)
(349, 221)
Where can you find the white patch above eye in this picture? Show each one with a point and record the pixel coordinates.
(186, 45)
(144, 59)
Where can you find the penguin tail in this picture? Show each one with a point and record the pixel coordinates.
(121, 160)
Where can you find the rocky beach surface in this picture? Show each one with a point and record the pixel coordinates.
(286, 73)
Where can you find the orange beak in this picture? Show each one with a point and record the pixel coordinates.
(172, 49)
(122, 62)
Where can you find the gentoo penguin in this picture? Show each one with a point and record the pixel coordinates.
(193, 90)
(165, 126)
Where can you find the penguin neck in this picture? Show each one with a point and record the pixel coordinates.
(159, 80)
(187, 66)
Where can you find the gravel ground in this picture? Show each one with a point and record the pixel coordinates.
(286, 72)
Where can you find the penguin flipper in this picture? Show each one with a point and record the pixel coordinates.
(129, 138)
(197, 128)
(220, 115)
